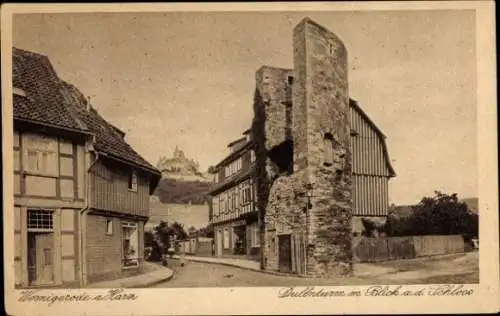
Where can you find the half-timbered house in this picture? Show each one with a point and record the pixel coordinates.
(81, 193)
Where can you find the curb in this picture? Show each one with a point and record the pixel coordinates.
(155, 282)
(141, 285)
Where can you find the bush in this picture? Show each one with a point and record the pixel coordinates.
(442, 214)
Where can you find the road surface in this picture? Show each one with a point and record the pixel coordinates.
(194, 274)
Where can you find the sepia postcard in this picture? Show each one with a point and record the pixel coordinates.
(250, 158)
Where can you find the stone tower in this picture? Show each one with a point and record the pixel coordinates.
(303, 166)
(321, 151)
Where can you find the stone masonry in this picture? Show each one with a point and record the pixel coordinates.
(303, 166)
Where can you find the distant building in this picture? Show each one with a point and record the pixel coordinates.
(313, 159)
(233, 213)
(81, 193)
(180, 167)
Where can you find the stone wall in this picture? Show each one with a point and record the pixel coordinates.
(328, 133)
(321, 157)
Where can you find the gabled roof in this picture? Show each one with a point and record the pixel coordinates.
(108, 139)
(44, 103)
(50, 100)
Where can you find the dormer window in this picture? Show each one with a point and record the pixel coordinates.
(132, 181)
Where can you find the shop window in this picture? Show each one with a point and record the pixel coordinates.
(130, 244)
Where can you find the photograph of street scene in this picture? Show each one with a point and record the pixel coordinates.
(236, 149)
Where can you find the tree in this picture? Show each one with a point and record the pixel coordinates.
(178, 231)
(163, 234)
(442, 214)
(206, 232)
(192, 231)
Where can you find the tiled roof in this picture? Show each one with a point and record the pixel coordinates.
(49, 100)
(43, 102)
(107, 138)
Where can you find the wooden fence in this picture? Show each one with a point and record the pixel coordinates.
(392, 248)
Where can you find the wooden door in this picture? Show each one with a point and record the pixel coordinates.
(285, 253)
(44, 258)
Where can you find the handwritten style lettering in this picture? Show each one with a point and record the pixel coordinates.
(111, 295)
(378, 290)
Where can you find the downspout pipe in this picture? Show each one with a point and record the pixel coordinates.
(82, 213)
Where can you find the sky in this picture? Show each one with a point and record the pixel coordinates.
(187, 79)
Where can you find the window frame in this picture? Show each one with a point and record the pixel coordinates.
(49, 158)
(109, 229)
(136, 259)
(32, 218)
(132, 180)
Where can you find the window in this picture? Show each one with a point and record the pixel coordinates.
(233, 167)
(40, 221)
(109, 226)
(226, 202)
(247, 192)
(331, 48)
(252, 156)
(130, 244)
(41, 155)
(290, 80)
(237, 196)
(226, 239)
(215, 206)
(132, 181)
(328, 149)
